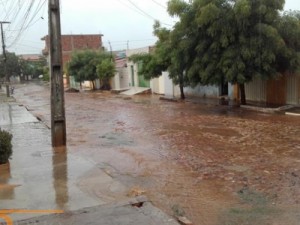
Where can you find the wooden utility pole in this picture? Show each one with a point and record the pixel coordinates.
(58, 120)
(5, 58)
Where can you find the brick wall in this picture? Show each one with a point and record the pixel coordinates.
(72, 43)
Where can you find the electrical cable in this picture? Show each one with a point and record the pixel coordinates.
(157, 3)
(140, 11)
(27, 13)
(27, 20)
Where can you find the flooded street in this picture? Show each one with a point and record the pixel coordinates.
(215, 165)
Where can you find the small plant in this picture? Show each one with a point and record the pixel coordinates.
(5, 146)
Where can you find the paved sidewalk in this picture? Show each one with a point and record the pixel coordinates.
(121, 213)
(40, 178)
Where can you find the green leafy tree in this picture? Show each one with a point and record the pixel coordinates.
(217, 41)
(169, 54)
(256, 43)
(233, 40)
(26, 68)
(12, 65)
(154, 63)
(46, 76)
(83, 65)
(5, 146)
(288, 58)
(75, 67)
(39, 67)
(106, 70)
(146, 60)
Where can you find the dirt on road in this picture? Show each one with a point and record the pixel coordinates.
(214, 164)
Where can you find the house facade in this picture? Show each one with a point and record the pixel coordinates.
(284, 90)
(127, 72)
(71, 43)
(136, 79)
(121, 79)
(75, 42)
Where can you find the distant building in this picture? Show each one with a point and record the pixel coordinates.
(31, 57)
(127, 73)
(73, 42)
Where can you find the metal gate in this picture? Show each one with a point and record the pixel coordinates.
(292, 89)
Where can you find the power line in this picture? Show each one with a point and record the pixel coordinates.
(152, 39)
(22, 21)
(125, 43)
(123, 3)
(23, 15)
(27, 20)
(137, 9)
(157, 3)
(32, 47)
(142, 11)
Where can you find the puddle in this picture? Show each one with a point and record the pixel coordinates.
(188, 158)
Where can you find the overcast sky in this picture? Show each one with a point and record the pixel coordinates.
(122, 22)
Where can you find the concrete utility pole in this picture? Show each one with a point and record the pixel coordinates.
(58, 120)
(5, 58)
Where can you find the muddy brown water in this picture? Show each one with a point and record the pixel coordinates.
(214, 164)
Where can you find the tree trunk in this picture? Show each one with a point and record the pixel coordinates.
(181, 86)
(243, 94)
(182, 96)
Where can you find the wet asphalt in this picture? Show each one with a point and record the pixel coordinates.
(40, 178)
(215, 164)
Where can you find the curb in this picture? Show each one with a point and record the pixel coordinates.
(279, 110)
(292, 114)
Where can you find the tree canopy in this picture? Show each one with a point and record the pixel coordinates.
(12, 65)
(233, 40)
(16, 66)
(216, 41)
(289, 28)
(106, 69)
(90, 65)
(34, 68)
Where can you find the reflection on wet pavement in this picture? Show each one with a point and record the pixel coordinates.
(39, 177)
(214, 164)
(14, 114)
(7, 191)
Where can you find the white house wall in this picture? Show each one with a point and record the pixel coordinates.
(97, 84)
(169, 86)
(154, 85)
(121, 79)
(116, 81)
(203, 91)
(124, 78)
(157, 85)
(73, 83)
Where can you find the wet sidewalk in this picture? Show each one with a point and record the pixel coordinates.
(212, 164)
(121, 213)
(39, 177)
